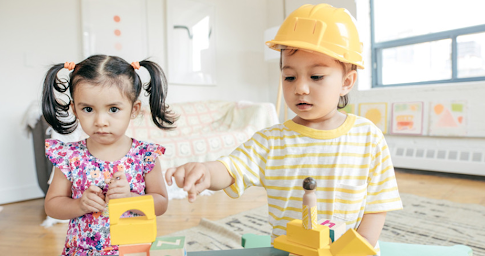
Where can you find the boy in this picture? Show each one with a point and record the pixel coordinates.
(347, 155)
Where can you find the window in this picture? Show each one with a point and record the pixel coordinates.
(423, 42)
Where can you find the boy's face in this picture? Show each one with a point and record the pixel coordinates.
(313, 84)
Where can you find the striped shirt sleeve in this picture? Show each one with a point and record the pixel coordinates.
(382, 192)
(246, 164)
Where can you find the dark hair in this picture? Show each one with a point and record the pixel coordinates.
(347, 67)
(105, 70)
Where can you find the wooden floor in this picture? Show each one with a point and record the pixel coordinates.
(21, 233)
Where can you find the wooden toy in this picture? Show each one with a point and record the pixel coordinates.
(309, 207)
(134, 230)
(168, 246)
(284, 243)
(134, 249)
(312, 239)
(351, 243)
(337, 228)
(315, 238)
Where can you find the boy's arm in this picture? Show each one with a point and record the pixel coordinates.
(60, 205)
(196, 177)
(371, 226)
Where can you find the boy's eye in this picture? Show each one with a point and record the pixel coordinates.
(289, 78)
(113, 109)
(316, 78)
(88, 109)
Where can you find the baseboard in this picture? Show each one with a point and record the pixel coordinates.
(17, 194)
(453, 155)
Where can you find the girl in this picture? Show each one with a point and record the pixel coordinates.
(104, 94)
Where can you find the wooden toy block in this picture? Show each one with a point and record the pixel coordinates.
(134, 230)
(168, 246)
(313, 238)
(352, 244)
(284, 244)
(337, 228)
(135, 249)
(255, 241)
(309, 212)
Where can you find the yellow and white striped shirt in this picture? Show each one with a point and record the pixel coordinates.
(351, 165)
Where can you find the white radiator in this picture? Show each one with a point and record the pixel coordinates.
(442, 154)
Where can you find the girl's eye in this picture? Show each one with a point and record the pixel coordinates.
(88, 109)
(316, 78)
(290, 78)
(113, 109)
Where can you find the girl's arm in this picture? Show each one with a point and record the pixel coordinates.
(155, 186)
(60, 205)
(371, 226)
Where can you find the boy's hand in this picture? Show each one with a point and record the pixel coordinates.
(118, 187)
(92, 200)
(192, 177)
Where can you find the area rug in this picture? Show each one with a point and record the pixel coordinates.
(423, 221)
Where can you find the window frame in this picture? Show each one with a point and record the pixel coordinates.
(376, 52)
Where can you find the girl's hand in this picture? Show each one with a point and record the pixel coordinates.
(118, 187)
(92, 200)
(192, 177)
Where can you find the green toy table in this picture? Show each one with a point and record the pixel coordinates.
(399, 249)
(387, 249)
(262, 242)
(263, 251)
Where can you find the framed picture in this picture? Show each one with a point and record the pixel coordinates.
(376, 113)
(115, 27)
(191, 43)
(407, 118)
(448, 118)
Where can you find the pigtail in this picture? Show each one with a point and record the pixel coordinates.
(55, 111)
(157, 89)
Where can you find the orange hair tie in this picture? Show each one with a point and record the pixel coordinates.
(69, 65)
(135, 65)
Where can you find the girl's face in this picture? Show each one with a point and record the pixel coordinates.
(313, 84)
(103, 111)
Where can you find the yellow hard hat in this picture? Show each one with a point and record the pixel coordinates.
(321, 28)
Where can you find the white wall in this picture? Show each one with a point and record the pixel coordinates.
(36, 34)
(241, 70)
(473, 92)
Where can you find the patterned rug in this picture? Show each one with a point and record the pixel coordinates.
(423, 221)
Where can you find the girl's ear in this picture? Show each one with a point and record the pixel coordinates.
(348, 82)
(136, 109)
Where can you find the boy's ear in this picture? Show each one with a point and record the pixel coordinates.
(348, 82)
(136, 109)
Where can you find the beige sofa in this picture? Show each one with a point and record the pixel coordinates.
(205, 131)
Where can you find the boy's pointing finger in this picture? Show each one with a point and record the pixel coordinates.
(168, 175)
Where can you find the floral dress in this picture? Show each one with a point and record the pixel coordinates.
(89, 234)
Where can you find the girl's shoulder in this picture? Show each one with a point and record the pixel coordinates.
(142, 147)
(57, 145)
